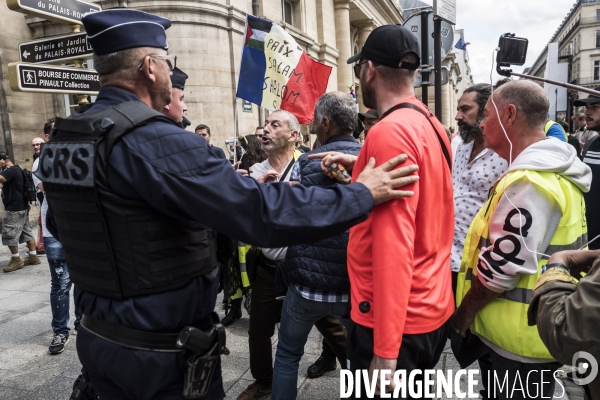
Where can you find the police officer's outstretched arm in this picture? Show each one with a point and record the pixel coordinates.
(176, 174)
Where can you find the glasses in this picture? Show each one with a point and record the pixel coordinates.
(357, 67)
(171, 60)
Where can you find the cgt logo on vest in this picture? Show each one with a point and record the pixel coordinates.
(67, 164)
(515, 241)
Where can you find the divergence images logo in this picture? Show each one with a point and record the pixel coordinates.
(589, 366)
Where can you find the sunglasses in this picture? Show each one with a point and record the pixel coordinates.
(357, 67)
(170, 60)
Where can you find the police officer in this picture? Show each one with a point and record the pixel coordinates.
(134, 196)
(177, 107)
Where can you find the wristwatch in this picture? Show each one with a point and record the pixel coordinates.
(555, 265)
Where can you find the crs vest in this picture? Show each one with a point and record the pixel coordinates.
(115, 247)
(504, 320)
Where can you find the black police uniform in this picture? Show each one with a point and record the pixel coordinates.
(175, 174)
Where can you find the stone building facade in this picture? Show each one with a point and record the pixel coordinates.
(207, 37)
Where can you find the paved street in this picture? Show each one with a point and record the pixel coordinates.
(27, 371)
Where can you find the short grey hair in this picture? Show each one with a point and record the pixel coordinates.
(529, 99)
(339, 108)
(292, 121)
(121, 64)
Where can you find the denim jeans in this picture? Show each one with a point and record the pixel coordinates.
(297, 319)
(61, 286)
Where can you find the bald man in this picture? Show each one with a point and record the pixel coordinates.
(535, 208)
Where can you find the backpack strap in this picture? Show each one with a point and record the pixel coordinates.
(106, 126)
(428, 116)
(123, 118)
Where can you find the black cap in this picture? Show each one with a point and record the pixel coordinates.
(119, 29)
(371, 113)
(590, 99)
(387, 45)
(3, 155)
(178, 78)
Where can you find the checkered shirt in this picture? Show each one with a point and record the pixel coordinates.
(322, 296)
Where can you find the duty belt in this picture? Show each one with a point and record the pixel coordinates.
(132, 338)
(189, 339)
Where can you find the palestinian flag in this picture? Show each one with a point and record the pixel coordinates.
(276, 73)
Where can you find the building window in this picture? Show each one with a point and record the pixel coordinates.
(596, 70)
(598, 15)
(288, 12)
(598, 39)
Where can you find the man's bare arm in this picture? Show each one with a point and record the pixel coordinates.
(477, 297)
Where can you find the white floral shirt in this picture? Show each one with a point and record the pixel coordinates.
(471, 182)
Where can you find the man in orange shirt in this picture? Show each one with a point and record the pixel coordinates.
(401, 292)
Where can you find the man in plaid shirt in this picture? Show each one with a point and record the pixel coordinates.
(319, 284)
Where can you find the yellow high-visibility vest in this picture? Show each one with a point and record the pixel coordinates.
(503, 321)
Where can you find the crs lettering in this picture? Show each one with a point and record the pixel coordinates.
(507, 248)
(67, 164)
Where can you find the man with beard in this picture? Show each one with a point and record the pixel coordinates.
(398, 258)
(591, 156)
(475, 170)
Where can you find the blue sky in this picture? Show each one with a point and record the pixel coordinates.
(485, 20)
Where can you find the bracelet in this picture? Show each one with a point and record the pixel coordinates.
(555, 265)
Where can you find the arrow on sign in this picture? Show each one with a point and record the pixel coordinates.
(26, 54)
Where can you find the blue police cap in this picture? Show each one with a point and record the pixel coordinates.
(178, 78)
(123, 28)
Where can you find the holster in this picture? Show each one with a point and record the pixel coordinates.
(203, 347)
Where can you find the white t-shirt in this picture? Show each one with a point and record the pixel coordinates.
(276, 254)
(44, 205)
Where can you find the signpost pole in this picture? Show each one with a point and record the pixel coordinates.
(437, 60)
(82, 99)
(424, 56)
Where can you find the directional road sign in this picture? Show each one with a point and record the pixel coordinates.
(62, 11)
(25, 77)
(56, 50)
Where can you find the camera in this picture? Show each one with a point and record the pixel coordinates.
(512, 51)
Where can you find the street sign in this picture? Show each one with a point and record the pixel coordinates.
(25, 77)
(419, 79)
(56, 50)
(62, 11)
(247, 106)
(413, 24)
(446, 10)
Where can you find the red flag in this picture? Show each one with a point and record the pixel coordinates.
(307, 84)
